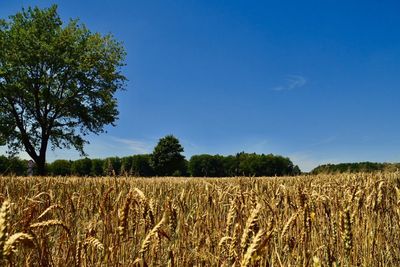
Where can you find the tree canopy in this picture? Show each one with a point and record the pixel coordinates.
(241, 164)
(57, 82)
(170, 161)
(167, 159)
(355, 167)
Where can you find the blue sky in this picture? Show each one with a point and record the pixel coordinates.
(317, 81)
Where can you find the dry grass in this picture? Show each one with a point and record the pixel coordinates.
(340, 220)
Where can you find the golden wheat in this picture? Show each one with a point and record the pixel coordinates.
(252, 248)
(152, 233)
(250, 224)
(50, 223)
(12, 241)
(324, 220)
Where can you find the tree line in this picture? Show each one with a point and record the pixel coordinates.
(355, 167)
(165, 160)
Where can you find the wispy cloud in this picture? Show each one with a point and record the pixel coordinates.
(291, 82)
(100, 147)
(136, 146)
(106, 146)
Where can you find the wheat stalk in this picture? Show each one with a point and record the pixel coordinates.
(7, 244)
(232, 252)
(123, 215)
(250, 223)
(52, 207)
(146, 241)
(94, 242)
(50, 223)
(12, 241)
(78, 254)
(141, 194)
(346, 229)
(231, 216)
(4, 224)
(252, 248)
(288, 224)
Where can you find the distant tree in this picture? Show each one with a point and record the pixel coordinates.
(296, 170)
(112, 166)
(57, 83)
(12, 165)
(97, 167)
(141, 166)
(197, 166)
(167, 159)
(242, 164)
(230, 165)
(353, 167)
(207, 166)
(249, 164)
(126, 164)
(264, 165)
(184, 169)
(82, 167)
(18, 166)
(60, 167)
(3, 165)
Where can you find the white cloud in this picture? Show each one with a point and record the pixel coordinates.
(291, 82)
(99, 147)
(136, 146)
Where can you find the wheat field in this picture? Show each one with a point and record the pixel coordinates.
(335, 220)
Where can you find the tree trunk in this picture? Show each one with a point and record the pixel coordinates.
(41, 165)
(41, 160)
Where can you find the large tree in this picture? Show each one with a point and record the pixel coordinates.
(57, 82)
(167, 159)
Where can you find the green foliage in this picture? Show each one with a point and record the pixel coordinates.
(82, 167)
(141, 166)
(3, 164)
(57, 82)
(231, 165)
(60, 167)
(167, 159)
(112, 166)
(12, 166)
(355, 167)
(242, 164)
(97, 167)
(207, 166)
(296, 170)
(126, 165)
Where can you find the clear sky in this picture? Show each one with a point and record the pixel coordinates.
(317, 81)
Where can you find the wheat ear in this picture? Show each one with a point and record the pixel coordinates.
(231, 216)
(250, 223)
(252, 248)
(4, 221)
(94, 242)
(123, 215)
(146, 241)
(56, 206)
(50, 223)
(288, 224)
(78, 254)
(12, 241)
